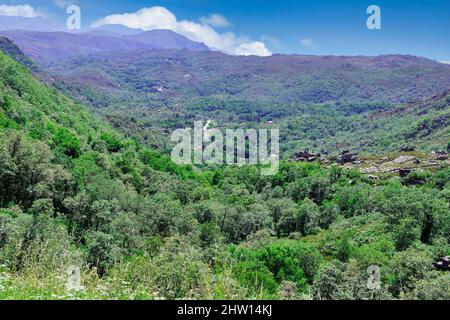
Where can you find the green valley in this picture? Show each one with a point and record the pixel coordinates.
(76, 192)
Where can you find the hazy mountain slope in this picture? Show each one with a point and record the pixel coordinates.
(11, 49)
(33, 24)
(50, 46)
(322, 103)
(279, 79)
(118, 29)
(167, 39)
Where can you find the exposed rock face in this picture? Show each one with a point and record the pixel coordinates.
(404, 172)
(403, 159)
(408, 149)
(395, 164)
(443, 264)
(306, 156)
(441, 155)
(346, 157)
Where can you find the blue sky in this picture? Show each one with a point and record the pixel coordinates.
(325, 27)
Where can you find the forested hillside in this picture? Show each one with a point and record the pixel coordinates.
(326, 104)
(281, 79)
(321, 103)
(74, 191)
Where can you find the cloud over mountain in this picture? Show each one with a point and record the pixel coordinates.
(308, 43)
(161, 18)
(215, 20)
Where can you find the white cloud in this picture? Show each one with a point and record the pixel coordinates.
(308, 43)
(63, 3)
(215, 20)
(161, 18)
(256, 48)
(25, 11)
(446, 62)
(146, 18)
(272, 42)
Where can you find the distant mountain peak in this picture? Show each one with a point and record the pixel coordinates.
(168, 39)
(34, 24)
(117, 29)
(48, 46)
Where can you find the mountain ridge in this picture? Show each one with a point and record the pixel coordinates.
(49, 46)
(29, 23)
(289, 79)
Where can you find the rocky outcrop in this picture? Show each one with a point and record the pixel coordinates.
(397, 164)
(443, 264)
(404, 172)
(306, 156)
(346, 157)
(441, 155)
(408, 149)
